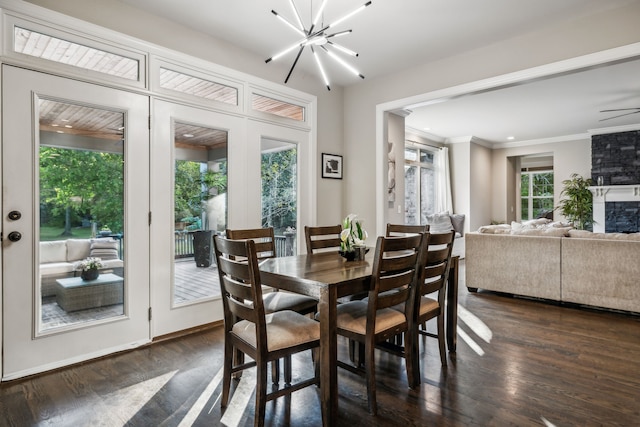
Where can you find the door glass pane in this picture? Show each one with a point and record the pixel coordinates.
(427, 194)
(200, 209)
(81, 187)
(410, 194)
(279, 177)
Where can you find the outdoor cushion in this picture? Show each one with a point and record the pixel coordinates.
(54, 251)
(78, 249)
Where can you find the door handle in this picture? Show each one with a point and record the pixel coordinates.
(14, 215)
(14, 236)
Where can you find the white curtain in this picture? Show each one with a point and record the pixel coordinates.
(443, 200)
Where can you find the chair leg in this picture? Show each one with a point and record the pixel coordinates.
(229, 355)
(441, 340)
(261, 394)
(275, 371)
(412, 361)
(287, 370)
(238, 359)
(370, 370)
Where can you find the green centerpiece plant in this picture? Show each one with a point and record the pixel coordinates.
(577, 204)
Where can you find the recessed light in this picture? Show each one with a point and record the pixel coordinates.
(55, 126)
(188, 135)
(59, 131)
(511, 138)
(426, 128)
(65, 120)
(68, 126)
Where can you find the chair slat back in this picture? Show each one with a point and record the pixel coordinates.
(322, 237)
(395, 271)
(438, 260)
(397, 230)
(240, 282)
(264, 239)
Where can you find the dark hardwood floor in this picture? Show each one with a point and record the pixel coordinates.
(519, 362)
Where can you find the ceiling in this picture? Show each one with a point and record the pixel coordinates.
(392, 35)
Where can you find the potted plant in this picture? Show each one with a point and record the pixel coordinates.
(90, 268)
(577, 206)
(352, 237)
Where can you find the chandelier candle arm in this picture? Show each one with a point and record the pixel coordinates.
(294, 64)
(319, 14)
(342, 48)
(319, 63)
(289, 24)
(295, 12)
(349, 15)
(341, 62)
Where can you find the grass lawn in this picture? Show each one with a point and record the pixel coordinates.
(48, 233)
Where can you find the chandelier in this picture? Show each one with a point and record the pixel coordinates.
(319, 39)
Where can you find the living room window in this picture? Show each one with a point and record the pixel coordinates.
(420, 181)
(536, 193)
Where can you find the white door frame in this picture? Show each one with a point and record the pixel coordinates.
(168, 317)
(26, 350)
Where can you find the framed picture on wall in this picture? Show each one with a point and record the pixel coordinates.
(331, 166)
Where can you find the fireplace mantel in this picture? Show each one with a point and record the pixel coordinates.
(611, 193)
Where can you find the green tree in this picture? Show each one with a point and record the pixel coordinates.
(79, 182)
(193, 187)
(279, 189)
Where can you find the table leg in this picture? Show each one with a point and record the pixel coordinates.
(327, 307)
(452, 305)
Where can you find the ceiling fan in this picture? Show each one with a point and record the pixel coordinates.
(637, 110)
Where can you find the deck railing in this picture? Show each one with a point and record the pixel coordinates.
(285, 245)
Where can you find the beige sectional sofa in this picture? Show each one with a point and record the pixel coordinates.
(58, 259)
(573, 266)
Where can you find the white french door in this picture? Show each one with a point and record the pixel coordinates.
(190, 181)
(75, 158)
(263, 138)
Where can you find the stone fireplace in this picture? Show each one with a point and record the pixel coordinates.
(615, 166)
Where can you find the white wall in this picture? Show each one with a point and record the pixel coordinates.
(125, 19)
(584, 35)
(480, 186)
(395, 135)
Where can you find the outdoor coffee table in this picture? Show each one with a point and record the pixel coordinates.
(74, 294)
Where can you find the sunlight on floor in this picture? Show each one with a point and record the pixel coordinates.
(197, 407)
(477, 326)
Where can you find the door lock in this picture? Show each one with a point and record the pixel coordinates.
(15, 215)
(14, 236)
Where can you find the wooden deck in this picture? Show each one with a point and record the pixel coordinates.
(191, 283)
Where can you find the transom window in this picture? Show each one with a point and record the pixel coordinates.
(277, 107)
(195, 86)
(51, 48)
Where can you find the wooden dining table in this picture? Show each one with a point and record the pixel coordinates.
(327, 276)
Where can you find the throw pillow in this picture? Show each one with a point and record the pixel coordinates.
(104, 249)
(439, 222)
(457, 220)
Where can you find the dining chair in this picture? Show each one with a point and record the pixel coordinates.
(403, 229)
(274, 300)
(373, 321)
(430, 305)
(323, 237)
(249, 330)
